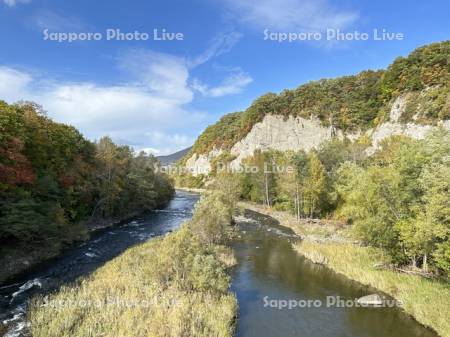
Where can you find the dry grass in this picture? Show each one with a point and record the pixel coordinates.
(225, 255)
(428, 301)
(170, 287)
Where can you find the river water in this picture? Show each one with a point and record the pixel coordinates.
(269, 271)
(82, 260)
(268, 268)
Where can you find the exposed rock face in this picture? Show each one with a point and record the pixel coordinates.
(273, 132)
(390, 129)
(398, 107)
(198, 164)
(201, 163)
(394, 127)
(276, 132)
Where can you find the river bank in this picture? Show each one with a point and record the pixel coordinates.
(424, 299)
(328, 243)
(85, 258)
(24, 258)
(281, 293)
(191, 189)
(318, 230)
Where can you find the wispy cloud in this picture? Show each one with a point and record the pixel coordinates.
(12, 3)
(233, 84)
(221, 44)
(47, 19)
(165, 75)
(295, 15)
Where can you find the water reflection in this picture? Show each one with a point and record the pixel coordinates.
(270, 268)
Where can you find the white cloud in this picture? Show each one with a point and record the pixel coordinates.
(165, 75)
(150, 110)
(109, 109)
(168, 143)
(126, 112)
(233, 84)
(292, 15)
(141, 113)
(12, 82)
(12, 3)
(150, 150)
(220, 44)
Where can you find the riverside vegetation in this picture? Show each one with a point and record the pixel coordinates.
(53, 182)
(177, 285)
(330, 243)
(397, 199)
(394, 203)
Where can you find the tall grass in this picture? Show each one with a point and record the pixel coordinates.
(174, 286)
(428, 301)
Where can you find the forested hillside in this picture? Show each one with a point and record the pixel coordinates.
(350, 103)
(53, 180)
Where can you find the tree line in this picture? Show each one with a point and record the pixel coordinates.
(52, 179)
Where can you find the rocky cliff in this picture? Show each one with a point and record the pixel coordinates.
(410, 98)
(297, 133)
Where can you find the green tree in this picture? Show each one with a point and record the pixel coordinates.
(260, 177)
(436, 183)
(316, 184)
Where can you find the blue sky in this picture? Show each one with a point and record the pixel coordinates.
(159, 95)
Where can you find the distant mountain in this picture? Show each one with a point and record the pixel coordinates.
(174, 157)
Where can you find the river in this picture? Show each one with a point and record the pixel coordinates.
(269, 272)
(82, 260)
(268, 268)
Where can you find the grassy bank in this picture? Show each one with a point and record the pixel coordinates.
(426, 300)
(172, 286)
